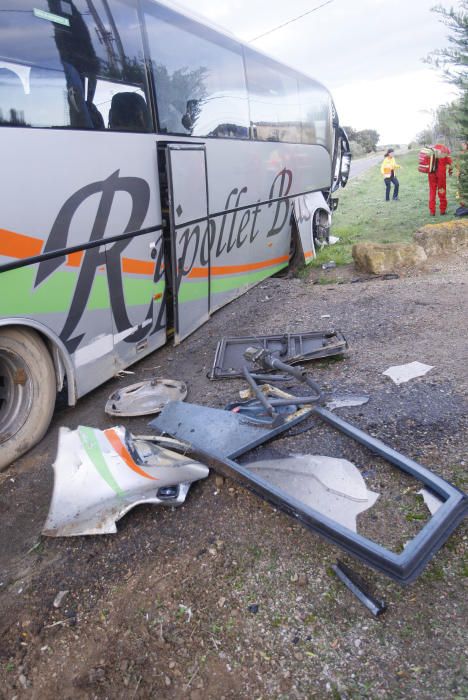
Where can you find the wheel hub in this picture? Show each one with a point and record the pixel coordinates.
(15, 394)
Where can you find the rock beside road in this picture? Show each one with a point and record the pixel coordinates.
(380, 258)
(432, 240)
(437, 239)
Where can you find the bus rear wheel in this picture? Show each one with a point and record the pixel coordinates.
(27, 392)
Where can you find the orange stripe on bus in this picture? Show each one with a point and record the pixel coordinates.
(234, 269)
(75, 259)
(137, 267)
(122, 451)
(129, 265)
(20, 246)
(17, 245)
(309, 254)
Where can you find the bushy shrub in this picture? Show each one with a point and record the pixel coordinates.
(357, 149)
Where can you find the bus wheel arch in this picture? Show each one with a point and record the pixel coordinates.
(29, 379)
(321, 226)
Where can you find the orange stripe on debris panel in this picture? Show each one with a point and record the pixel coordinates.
(122, 451)
(17, 245)
(235, 269)
(309, 254)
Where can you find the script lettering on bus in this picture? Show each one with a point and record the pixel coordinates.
(94, 258)
(197, 244)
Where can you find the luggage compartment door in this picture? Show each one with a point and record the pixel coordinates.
(189, 236)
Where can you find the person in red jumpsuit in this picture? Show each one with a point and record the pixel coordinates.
(438, 179)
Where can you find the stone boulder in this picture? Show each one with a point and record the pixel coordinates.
(380, 258)
(447, 237)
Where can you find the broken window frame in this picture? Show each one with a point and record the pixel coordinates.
(404, 567)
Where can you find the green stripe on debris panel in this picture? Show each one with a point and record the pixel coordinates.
(94, 452)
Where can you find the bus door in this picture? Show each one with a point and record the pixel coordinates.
(189, 226)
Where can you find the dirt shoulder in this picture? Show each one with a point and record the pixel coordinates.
(162, 608)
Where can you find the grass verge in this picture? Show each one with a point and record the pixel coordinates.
(364, 215)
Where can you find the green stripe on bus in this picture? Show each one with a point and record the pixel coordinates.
(19, 297)
(54, 295)
(140, 291)
(219, 285)
(193, 291)
(94, 452)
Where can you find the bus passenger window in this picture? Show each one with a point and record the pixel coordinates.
(129, 112)
(73, 49)
(316, 107)
(274, 100)
(199, 77)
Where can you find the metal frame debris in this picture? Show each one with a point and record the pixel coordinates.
(190, 423)
(290, 347)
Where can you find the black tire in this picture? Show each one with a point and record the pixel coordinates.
(27, 392)
(296, 257)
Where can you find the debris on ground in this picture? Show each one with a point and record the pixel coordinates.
(289, 347)
(225, 433)
(333, 487)
(359, 589)
(218, 437)
(431, 500)
(403, 373)
(102, 474)
(58, 600)
(211, 439)
(345, 401)
(145, 398)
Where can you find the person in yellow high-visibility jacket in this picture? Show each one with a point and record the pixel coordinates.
(388, 168)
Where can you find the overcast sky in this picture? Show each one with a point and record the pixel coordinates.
(367, 52)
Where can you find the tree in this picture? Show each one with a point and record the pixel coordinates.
(445, 126)
(369, 139)
(356, 149)
(366, 140)
(453, 61)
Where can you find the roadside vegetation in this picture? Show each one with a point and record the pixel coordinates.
(364, 215)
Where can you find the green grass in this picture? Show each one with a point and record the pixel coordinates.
(364, 215)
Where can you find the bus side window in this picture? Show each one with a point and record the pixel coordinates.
(12, 94)
(72, 48)
(274, 100)
(316, 107)
(199, 77)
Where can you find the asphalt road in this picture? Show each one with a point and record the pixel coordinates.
(360, 165)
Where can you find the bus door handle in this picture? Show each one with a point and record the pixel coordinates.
(153, 249)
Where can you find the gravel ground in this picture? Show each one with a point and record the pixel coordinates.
(225, 597)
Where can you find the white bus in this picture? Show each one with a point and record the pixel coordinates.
(150, 169)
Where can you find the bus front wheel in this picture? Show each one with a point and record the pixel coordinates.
(27, 392)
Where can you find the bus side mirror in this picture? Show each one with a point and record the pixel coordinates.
(345, 168)
(345, 159)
